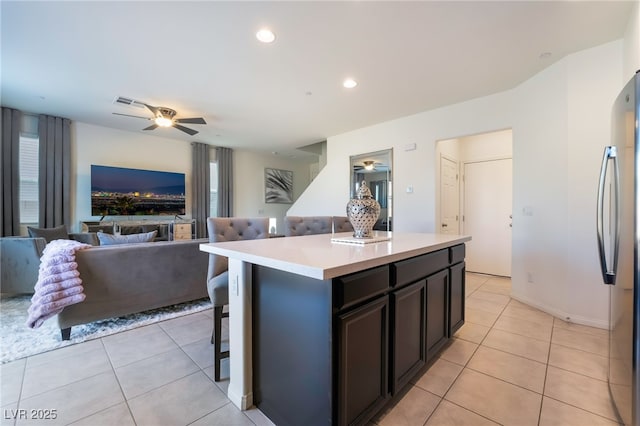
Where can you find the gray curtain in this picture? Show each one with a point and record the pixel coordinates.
(10, 175)
(225, 181)
(200, 187)
(55, 171)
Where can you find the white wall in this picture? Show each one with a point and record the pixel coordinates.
(248, 179)
(593, 87)
(632, 44)
(328, 194)
(562, 127)
(486, 146)
(560, 120)
(105, 146)
(540, 209)
(110, 147)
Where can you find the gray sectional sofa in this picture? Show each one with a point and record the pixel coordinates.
(128, 278)
(117, 279)
(20, 260)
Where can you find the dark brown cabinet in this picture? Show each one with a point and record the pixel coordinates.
(437, 312)
(408, 321)
(456, 297)
(363, 361)
(334, 351)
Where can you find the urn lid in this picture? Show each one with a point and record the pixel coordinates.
(364, 192)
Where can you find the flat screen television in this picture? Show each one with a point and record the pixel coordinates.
(118, 191)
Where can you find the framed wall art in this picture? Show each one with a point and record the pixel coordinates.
(278, 186)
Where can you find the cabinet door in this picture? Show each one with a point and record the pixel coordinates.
(437, 312)
(457, 297)
(362, 387)
(408, 315)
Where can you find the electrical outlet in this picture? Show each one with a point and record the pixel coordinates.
(234, 286)
(529, 277)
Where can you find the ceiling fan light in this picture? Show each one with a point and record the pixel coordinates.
(368, 165)
(163, 122)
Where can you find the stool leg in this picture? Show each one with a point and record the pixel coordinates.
(217, 337)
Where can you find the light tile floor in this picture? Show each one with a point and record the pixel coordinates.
(509, 364)
(160, 374)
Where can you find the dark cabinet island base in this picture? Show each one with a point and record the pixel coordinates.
(335, 351)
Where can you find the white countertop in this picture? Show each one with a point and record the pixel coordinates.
(317, 257)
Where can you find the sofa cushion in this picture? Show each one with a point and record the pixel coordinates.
(108, 239)
(49, 234)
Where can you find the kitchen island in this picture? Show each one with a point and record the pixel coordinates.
(325, 333)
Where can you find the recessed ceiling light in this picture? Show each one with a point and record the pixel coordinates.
(265, 35)
(349, 83)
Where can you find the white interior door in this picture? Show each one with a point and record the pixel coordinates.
(487, 216)
(449, 197)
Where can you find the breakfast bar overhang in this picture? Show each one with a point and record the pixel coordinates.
(322, 332)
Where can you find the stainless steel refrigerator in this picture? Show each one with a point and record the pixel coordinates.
(618, 236)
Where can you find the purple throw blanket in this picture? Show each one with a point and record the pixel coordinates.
(59, 282)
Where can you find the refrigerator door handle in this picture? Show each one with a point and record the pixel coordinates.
(608, 273)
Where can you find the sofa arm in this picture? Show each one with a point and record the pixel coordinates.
(86, 237)
(19, 263)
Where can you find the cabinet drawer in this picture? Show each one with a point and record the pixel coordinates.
(360, 286)
(457, 254)
(411, 270)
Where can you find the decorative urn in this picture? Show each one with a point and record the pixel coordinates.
(363, 212)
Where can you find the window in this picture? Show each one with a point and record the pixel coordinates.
(28, 185)
(213, 194)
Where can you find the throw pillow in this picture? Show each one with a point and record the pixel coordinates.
(49, 234)
(108, 239)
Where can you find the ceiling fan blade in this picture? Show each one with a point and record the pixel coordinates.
(134, 116)
(153, 126)
(153, 109)
(185, 129)
(193, 120)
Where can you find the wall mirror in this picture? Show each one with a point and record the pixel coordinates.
(376, 169)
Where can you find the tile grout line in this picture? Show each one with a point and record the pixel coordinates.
(583, 409)
(18, 403)
(57, 387)
(443, 398)
(113, 370)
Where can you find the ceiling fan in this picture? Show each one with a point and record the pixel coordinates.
(368, 165)
(165, 117)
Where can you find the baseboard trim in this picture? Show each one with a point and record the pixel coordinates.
(564, 316)
(243, 402)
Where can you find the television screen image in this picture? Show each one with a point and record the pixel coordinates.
(117, 191)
